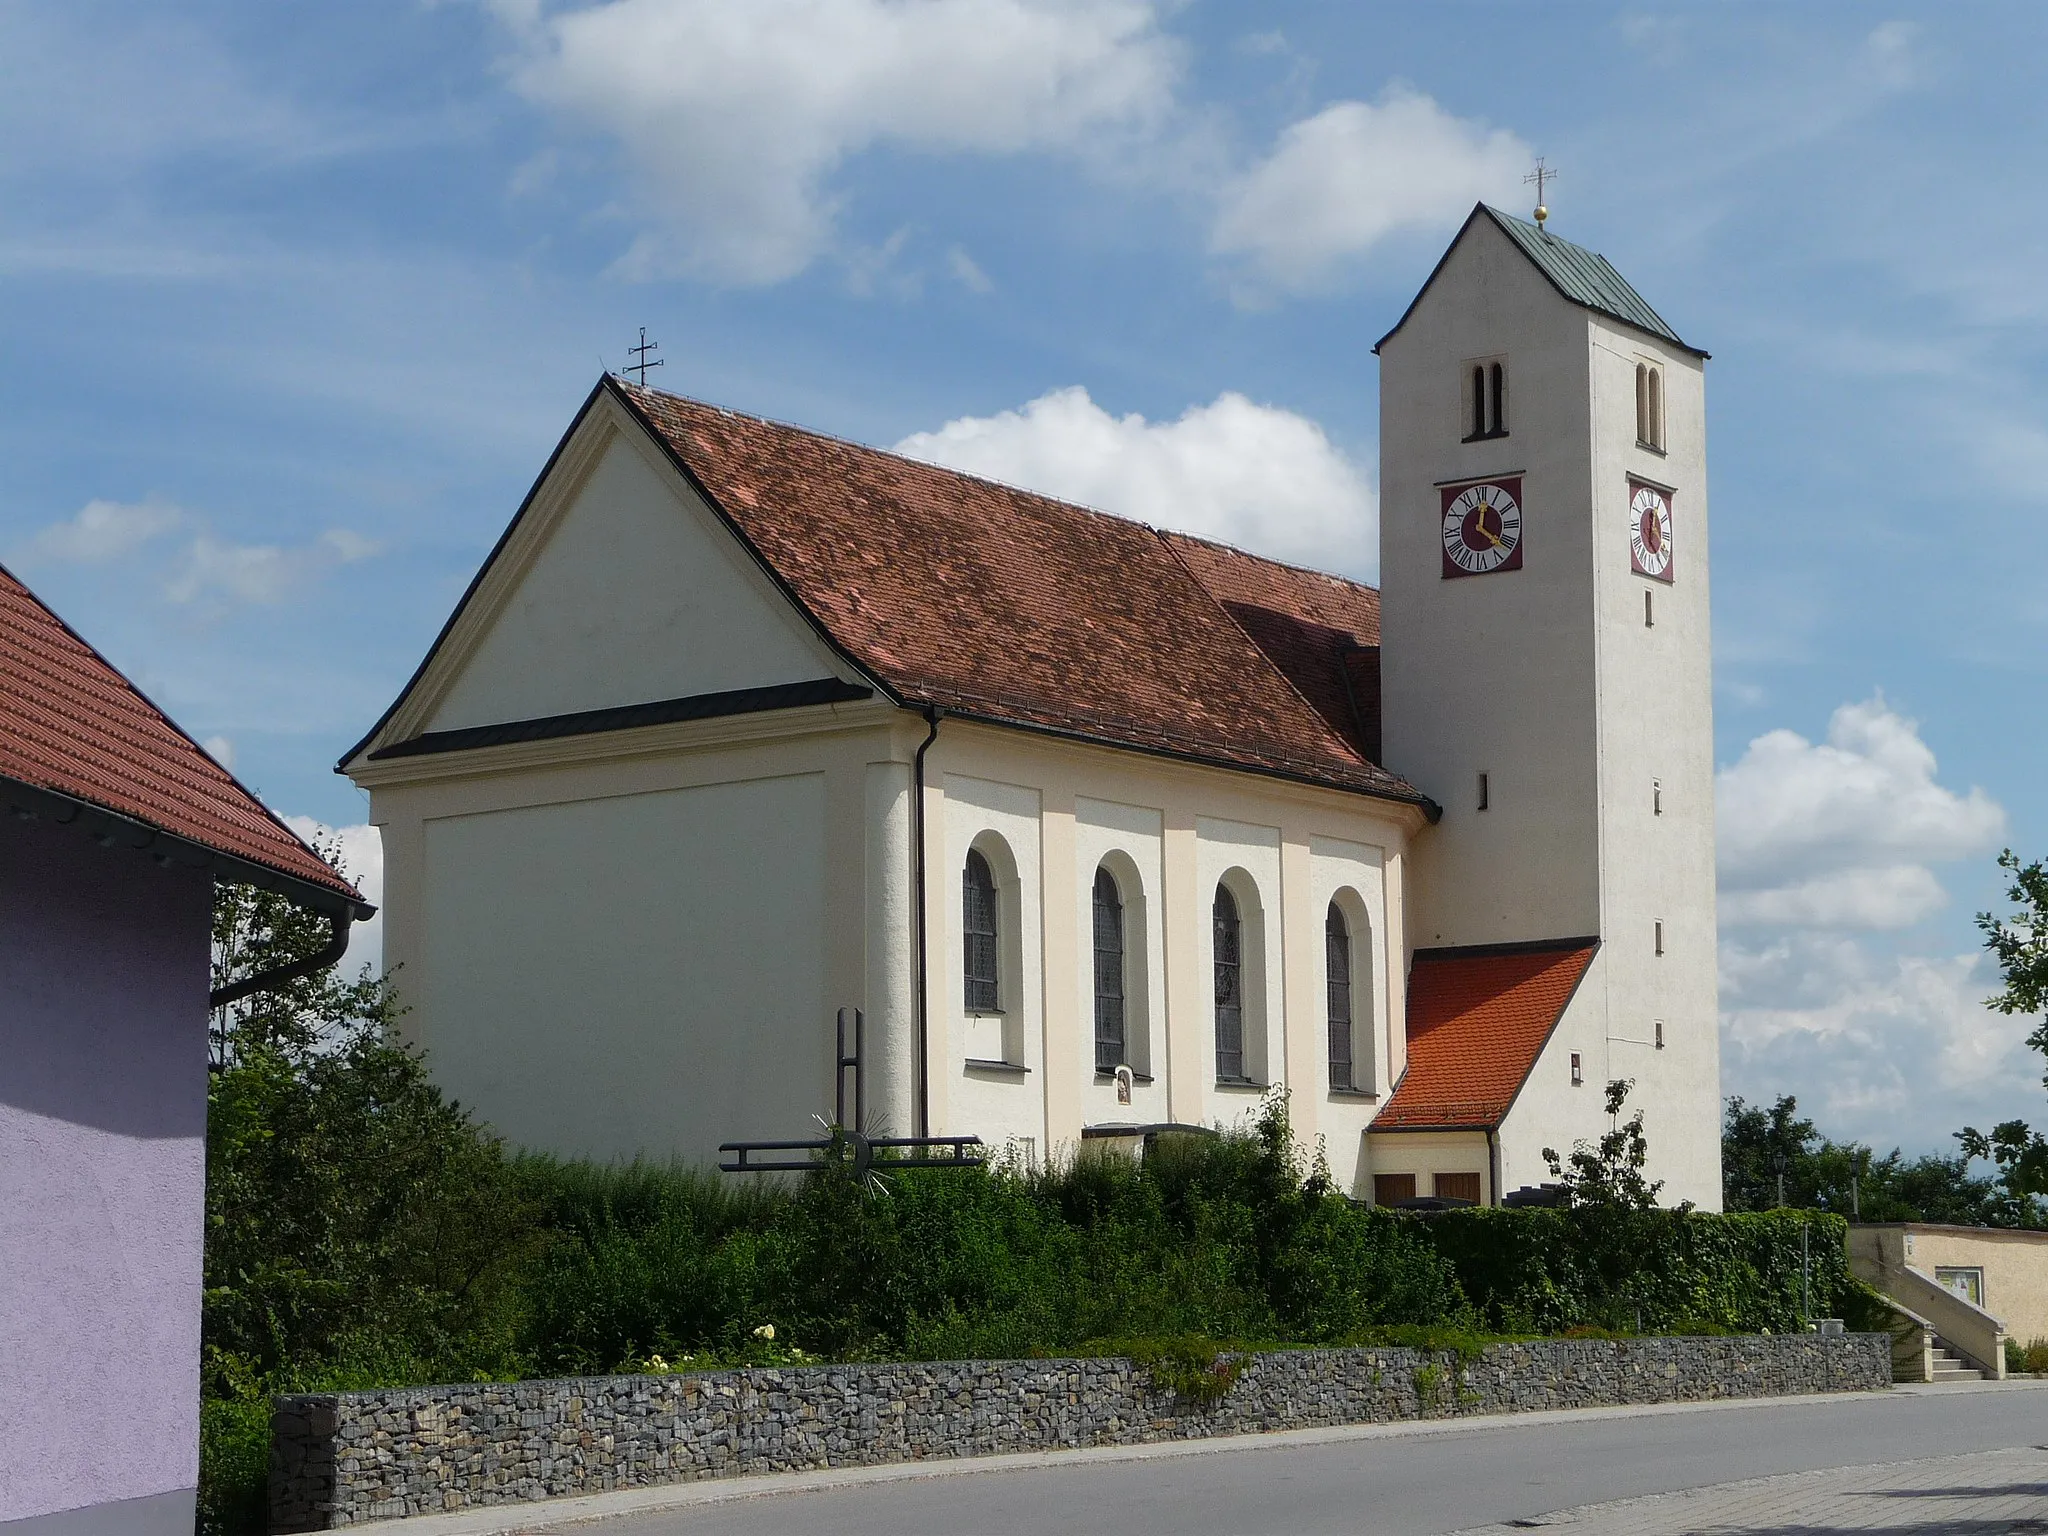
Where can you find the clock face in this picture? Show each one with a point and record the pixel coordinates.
(1649, 531)
(1482, 527)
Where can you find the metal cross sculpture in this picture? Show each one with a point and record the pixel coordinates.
(850, 1139)
(639, 353)
(1538, 177)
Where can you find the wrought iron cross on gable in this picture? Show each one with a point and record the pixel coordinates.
(849, 1139)
(640, 364)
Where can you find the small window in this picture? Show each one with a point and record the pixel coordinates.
(1656, 797)
(1337, 960)
(1578, 1072)
(1109, 973)
(1485, 791)
(1660, 935)
(1660, 1034)
(978, 932)
(1967, 1283)
(1650, 406)
(1486, 401)
(1649, 609)
(1392, 1188)
(1229, 956)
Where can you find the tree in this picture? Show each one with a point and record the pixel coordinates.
(2019, 944)
(1758, 1143)
(255, 931)
(2021, 1157)
(1608, 1174)
(356, 1219)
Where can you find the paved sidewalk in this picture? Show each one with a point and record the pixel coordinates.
(1990, 1493)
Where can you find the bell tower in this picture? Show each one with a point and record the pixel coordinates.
(1546, 670)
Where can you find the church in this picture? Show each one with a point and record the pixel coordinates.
(1103, 829)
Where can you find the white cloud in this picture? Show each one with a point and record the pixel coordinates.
(362, 860)
(105, 530)
(1338, 183)
(1823, 845)
(967, 271)
(735, 113)
(1249, 474)
(1885, 1047)
(221, 750)
(1840, 833)
(214, 569)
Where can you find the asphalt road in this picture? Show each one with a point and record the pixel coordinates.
(1497, 1470)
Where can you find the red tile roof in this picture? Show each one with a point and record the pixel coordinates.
(72, 726)
(1477, 1019)
(1008, 606)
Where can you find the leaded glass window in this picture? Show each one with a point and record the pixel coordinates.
(1229, 948)
(1109, 973)
(1337, 951)
(978, 919)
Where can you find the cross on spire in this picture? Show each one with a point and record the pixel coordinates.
(641, 365)
(1538, 177)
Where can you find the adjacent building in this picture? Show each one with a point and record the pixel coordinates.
(114, 827)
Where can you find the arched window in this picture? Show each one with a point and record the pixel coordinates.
(1479, 402)
(1229, 988)
(1337, 949)
(1109, 973)
(978, 930)
(1499, 425)
(1649, 405)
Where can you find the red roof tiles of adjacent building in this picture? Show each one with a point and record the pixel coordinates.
(1004, 605)
(72, 726)
(1477, 1020)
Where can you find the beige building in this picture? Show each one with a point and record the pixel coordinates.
(1102, 827)
(1975, 1287)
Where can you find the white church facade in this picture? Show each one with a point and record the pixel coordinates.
(1103, 828)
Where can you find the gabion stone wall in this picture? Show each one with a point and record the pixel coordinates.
(342, 1458)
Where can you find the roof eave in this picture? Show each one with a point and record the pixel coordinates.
(115, 828)
(1551, 1033)
(1414, 800)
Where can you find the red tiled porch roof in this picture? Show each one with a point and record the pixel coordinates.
(1477, 1020)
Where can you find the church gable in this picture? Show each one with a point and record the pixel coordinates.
(618, 586)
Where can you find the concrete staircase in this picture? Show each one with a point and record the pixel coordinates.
(1950, 1366)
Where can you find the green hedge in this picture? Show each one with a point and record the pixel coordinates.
(1547, 1271)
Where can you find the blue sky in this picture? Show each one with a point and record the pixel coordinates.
(294, 301)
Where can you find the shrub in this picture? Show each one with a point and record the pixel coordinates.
(234, 1462)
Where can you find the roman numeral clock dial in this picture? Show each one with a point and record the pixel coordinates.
(1482, 527)
(1649, 531)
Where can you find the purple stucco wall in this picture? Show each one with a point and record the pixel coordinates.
(103, 975)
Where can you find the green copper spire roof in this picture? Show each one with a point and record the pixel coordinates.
(1585, 277)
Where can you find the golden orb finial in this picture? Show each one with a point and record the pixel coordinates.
(1542, 213)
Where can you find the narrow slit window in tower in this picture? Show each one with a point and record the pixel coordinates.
(1485, 791)
(1660, 935)
(1499, 424)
